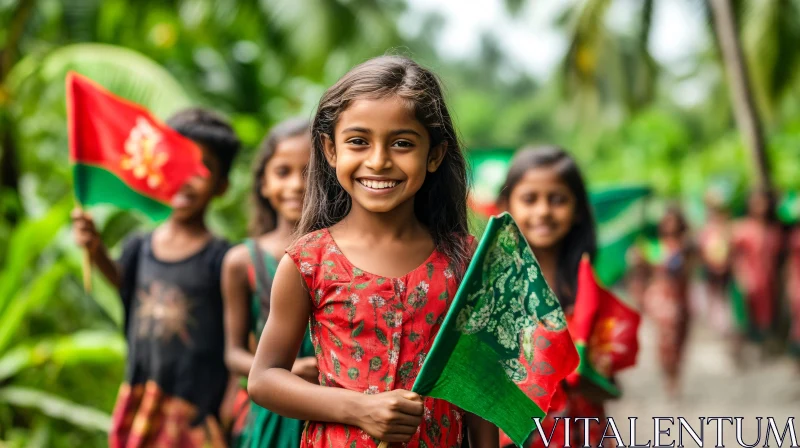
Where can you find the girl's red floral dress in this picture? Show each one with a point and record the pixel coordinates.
(371, 335)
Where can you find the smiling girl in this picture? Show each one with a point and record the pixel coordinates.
(545, 194)
(278, 189)
(385, 245)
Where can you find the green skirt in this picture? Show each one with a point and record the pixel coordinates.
(266, 429)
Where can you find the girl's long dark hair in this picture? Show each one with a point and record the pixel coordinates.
(264, 217)
(441, 203)
(582, 237)
(674, 211)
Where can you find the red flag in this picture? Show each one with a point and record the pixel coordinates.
(122, 154)
(604, 330)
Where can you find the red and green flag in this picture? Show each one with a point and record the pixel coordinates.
(505, 329)
(124, 156)
(604, 330)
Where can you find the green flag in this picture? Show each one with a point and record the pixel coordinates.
(620, 217)
(789, 207)
(504, 346)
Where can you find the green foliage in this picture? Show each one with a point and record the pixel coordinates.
(258, 61)
(60, 355)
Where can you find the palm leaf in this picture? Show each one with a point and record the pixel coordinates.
(45, 287)
(26, 244)
(771, 32)
(83, 347)
(56, 407)
(124, 72)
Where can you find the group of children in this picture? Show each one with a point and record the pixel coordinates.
(321, 318)
(750, 269)
(755, 260)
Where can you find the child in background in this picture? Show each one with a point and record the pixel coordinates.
(715, 252)
(793, 292)
(247, 272)
(385, 245)
(545, 194)
(667, 297)
(169, 282)
(757, 248)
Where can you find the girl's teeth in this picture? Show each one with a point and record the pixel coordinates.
(378, 185)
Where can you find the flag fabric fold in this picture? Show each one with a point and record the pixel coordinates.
(604, 330)
(122, 155)
(504, 346)
(620, 214)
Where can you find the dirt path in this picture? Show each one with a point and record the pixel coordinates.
(712, 387)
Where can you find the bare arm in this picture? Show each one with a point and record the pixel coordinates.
(236, 299)
(481, 433)
(87, 236)
(392, 416)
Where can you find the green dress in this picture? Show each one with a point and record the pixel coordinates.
(265, 428)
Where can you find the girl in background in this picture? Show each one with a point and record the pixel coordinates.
(667, 296)
(757, 250)
(384, 248)
(714, 243)
(545, 194)
(793, 293)
(247, 272)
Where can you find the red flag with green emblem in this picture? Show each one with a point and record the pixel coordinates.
(124, 156)
(604, 330)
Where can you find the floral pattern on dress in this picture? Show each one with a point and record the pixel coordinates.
(371, 335)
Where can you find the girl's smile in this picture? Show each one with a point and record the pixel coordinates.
(378, 184)
(381, 153)
(284, 176)
(543, 206)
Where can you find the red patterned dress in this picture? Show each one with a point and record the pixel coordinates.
(371, 335)
(757, 250)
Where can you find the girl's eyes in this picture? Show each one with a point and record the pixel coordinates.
(281, 171)
(357, 141)
(404, 144)
(554, 198)
(558, 199)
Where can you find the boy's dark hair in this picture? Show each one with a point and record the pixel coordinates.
(265, 217)
(441, 203)
(210, 130)
(582, 237)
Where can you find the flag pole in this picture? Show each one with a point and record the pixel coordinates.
(86, 265)
(87, 270)
(383, 444)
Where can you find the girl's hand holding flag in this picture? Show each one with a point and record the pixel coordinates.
(392, 416)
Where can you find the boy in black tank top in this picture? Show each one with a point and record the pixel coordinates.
(169, 282)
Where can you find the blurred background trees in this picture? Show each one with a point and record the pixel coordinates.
(609, 101)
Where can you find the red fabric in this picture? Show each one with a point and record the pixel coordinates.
(757, 249)
(667, 303)
(125, 139)
(372, 334)
(566, 404)
(554, 357)
(794, 290)
(607, 326)
(145, 417)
